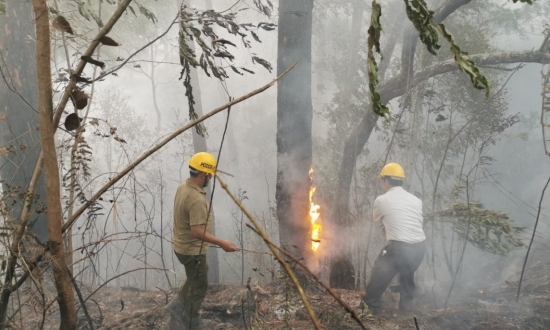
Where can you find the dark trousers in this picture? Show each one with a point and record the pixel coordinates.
(395, 258)
(193, 291)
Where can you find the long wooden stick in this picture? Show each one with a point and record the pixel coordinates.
(161, 144)
(276, 254)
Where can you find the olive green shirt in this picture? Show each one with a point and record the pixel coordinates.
(190, 209)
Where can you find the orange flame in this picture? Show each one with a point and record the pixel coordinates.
(314, 215)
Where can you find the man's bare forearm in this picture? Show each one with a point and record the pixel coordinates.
(199, 233)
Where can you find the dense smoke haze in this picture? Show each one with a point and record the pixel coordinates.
(478, 163)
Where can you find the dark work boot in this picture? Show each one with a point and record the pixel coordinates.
(175, 309)
(206, 324)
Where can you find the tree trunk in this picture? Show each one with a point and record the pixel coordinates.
(65, 297)
(18, 101)
(294, 120)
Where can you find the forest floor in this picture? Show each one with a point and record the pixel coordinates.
(276, 306)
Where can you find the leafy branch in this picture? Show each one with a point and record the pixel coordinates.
(374, 45)
(479, 81)
(490, 231)
(421, 17)
(198, 27)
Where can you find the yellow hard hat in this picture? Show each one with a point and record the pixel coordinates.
(392, 169)
(203, 162)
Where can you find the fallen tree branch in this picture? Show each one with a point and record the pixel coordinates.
(161, 144)
(283, 263)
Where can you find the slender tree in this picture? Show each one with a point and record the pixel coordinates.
(65, 298)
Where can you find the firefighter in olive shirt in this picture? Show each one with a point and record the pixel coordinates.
(192, 235)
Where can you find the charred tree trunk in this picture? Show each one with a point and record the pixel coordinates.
(65, 297)
(18, 101)
(294, 120)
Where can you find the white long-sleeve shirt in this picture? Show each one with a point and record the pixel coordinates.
(401, 214)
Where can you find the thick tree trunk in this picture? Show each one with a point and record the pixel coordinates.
(65, 297)
(294, 120)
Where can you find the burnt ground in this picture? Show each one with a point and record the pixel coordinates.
(278, 307)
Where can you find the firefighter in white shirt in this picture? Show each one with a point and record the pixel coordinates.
(401, 215)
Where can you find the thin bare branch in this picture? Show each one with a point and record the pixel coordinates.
(161, 144)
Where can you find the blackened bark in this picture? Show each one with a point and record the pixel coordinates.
(294, 120)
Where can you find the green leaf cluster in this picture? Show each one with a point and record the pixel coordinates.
(479, 81)
(490, 230)
(2, 7)
(372, 67)
(197, 26)
(421, 17)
